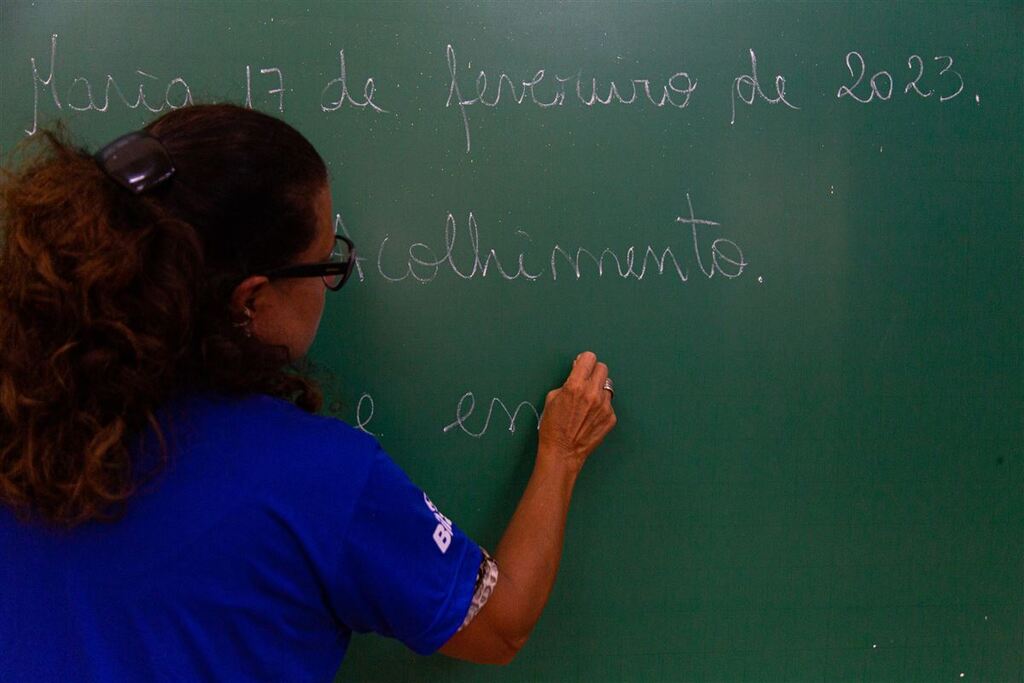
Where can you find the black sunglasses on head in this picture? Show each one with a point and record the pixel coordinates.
(334, 272)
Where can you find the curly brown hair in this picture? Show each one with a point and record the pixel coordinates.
(111, 303)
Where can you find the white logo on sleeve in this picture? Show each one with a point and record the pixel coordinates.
(443, 530)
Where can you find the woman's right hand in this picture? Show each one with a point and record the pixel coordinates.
(577, 415)
(576, 418)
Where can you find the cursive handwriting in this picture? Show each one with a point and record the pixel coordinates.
(463, 412)
(345, 96)
(362, 420)
(546, 91)
(80, 95)
(754, 84)
(424, 264)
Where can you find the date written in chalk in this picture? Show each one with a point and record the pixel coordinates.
(468, 92)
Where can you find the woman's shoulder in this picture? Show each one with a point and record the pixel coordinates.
(260, 425)
(251, 409)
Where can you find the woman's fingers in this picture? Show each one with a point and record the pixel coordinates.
(581, 368)
(598, 376)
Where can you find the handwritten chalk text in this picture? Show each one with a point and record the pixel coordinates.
(546, 91)
(880, 85)
(81, 97)
(467, 404)
(422, 263)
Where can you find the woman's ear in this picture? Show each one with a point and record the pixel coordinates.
(246, 296)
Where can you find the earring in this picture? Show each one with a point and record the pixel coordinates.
(245, 324)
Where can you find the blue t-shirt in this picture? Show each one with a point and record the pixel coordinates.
(269, 538)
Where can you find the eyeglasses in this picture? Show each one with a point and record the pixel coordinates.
(334, 272)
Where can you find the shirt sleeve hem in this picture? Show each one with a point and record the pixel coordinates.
(452, 613)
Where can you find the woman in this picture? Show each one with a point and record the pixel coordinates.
(172, 506)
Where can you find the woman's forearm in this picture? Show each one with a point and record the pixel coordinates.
(576, 418)
(531, 548)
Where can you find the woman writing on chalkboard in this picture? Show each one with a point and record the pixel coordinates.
(172, 506)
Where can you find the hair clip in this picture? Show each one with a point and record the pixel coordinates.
(136, 161)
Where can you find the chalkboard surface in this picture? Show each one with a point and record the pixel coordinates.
(792, 230)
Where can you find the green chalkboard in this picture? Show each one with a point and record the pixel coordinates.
(792, 230)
